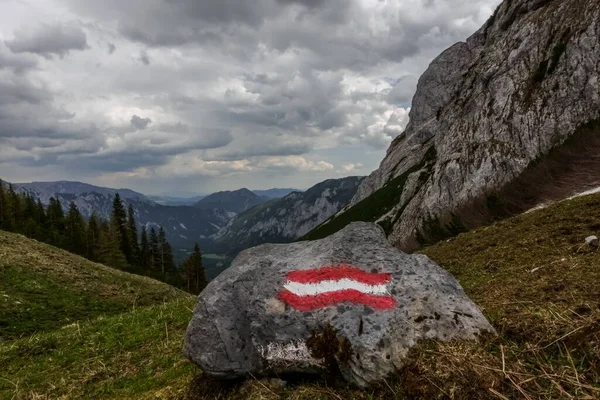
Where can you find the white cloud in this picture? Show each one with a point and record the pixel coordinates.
(226, 93)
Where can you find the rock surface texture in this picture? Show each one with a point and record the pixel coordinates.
(489, 108)
(350, 301)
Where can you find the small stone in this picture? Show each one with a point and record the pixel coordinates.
(592, 241)
(301, 311)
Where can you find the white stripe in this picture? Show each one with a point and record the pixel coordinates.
(312, 289)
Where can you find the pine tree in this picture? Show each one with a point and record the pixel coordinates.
(118, 220)
(145, 250)
(3, 207)
(14, 209)
(110, 246)
(40, 220)
(167, 251)
(30, 224)
(75, 231)
(154, 250)
(162, 239)
(194, 271)
(56, 223)
(93, 238)
(133, 237)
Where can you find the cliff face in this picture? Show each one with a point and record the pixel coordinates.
(505, 119)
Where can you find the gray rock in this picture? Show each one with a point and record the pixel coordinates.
(247, 322)
(492, 106)
(592, 241)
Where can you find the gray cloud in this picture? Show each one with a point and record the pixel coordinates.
(49, 39)
(139, 123)
(403, 91)
(233, 88)
(19, 63)
(261, 145)
(144, 58)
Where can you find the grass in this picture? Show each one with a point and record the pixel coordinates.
(133, 354)
(43, 288)
(531, 275)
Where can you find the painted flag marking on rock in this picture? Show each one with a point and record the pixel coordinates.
(307, 290)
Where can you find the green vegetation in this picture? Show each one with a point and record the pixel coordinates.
(114, 243)
(375, 206)
(193, 268)
(532, 276)
(132, 355)
(43, 288)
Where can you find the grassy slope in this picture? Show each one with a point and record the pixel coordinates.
(135, 354)
(548, 322)
(42, 288)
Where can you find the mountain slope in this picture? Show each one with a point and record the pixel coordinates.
(531, 275)
(184, 225)
(499, 123)
(275, 193)
(236, 201)
(45, 190)
(43, 288)
(288, 218)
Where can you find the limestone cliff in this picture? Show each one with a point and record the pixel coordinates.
(499, 122)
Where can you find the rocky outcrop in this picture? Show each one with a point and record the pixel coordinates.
(506, 119)
(286, 219)
(350, 302)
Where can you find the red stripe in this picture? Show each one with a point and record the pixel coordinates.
(309, 303)
(337, 272)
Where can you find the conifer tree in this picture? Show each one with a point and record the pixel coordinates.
(133, 237)
(3, 207)
(194, 271)
(25, 222)
(145, 250)
(14, 209)
(162, 239)
(93, 238)
(56, 223)
(118, 220)
(154, 250)
(75, 231)
(110, 246)
(40, 220)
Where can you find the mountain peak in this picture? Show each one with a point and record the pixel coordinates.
(498, 123)
(235, 201)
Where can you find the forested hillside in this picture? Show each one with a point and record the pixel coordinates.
(114, 242)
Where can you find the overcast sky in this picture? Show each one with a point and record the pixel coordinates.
(194, 96)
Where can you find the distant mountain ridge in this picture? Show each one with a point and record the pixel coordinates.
(184, 225)
(276, 193)
(203, 221)
(288, 218)
(235, 201)
(45, 190)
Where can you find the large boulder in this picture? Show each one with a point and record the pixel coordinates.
(350, 301)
